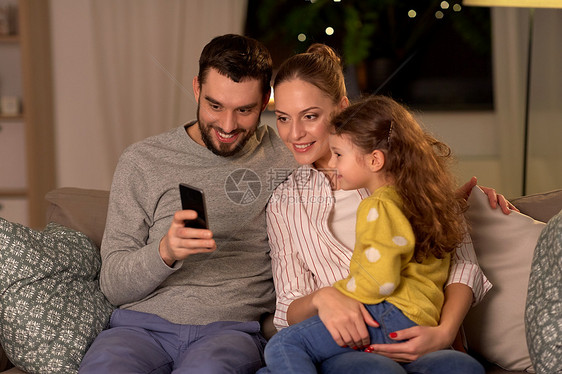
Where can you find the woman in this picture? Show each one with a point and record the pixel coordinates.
(311, 229)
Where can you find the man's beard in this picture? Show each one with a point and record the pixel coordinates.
(224, 149)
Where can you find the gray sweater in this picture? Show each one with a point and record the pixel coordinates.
(234, 282)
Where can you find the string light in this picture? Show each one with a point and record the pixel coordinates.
(412, 13)
(329, 31)
(444, 5)
(457, 7)
(301, 37)
(439, 14)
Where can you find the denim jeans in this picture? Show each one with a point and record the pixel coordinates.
(145, 343)
(445, 361)
(304, 347)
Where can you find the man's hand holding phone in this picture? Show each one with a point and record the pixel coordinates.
(181, 240)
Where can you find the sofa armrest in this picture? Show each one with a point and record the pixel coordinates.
(4, 361)
(80, 209)
(540, 206)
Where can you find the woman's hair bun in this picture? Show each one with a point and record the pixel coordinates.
(325, 51)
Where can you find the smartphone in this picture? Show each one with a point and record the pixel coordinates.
(193, 198)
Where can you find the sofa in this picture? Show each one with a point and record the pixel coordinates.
(77, 219)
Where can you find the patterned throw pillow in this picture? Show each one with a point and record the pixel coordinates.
(543, 313)
(51, 306)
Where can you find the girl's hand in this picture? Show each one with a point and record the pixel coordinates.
(494, 198)
(344, 317)
(419, 341)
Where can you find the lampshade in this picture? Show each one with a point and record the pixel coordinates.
(516, 3)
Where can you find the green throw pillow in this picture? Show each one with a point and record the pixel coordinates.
(51, 306)
(543, 323)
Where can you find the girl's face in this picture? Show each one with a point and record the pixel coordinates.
(303, 120)
(353, 171)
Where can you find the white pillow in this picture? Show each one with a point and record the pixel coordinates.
(504, 246)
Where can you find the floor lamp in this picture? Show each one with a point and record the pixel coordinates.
(531, 4)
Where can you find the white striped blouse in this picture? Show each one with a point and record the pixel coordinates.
(306, 255)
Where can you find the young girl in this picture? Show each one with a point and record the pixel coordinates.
(405, 231)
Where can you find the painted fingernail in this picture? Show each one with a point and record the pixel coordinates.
(369, 349)
(393, 335)
(355, 348)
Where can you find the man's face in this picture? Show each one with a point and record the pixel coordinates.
(228, 113)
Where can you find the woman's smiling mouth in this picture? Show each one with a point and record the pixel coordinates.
(302, 147)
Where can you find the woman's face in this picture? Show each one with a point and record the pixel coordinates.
(303, 121)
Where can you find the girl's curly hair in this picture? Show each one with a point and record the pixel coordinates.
(419, 165)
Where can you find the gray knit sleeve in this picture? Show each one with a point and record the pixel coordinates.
(131, 264)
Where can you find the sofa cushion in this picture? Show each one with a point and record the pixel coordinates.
(80, 209)
(540, 206)
(51, 307)
(504, 245)
(543, 323)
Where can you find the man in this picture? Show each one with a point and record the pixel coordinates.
(189, 299)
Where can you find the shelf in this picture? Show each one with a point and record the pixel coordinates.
(4, 193)
(33, 63)
(11, 118)
(9, 38)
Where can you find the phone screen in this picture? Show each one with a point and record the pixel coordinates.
(193, 198)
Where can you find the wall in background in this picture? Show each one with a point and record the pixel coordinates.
(79, 138)
(545, 130)
(123, 71)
